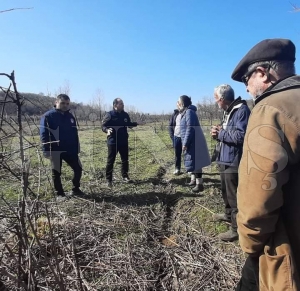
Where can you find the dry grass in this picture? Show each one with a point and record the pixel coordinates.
(115, 246)
(153, 234)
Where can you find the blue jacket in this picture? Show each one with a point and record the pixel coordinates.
(232, 134)
(58, 132)
(196, 156)
(118, 121)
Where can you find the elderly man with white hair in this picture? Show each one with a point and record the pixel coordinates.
(230, 134)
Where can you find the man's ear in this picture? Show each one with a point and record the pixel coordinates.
(265, 74)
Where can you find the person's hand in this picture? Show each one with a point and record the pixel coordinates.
(184, 148)
(215, 131)
(109, 131)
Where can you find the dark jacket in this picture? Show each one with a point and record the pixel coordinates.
(196, 156)
(58, 132)
(172, 123)
(269, 182)
(118, 121)
(232, 134)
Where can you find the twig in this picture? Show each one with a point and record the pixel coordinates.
(2, 11)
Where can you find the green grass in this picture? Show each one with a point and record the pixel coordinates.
(141, 216)
(151, 160)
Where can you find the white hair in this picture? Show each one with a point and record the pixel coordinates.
(225, 92)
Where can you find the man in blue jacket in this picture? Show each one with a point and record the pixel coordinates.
(60, 142)
(231, 136)
(115, 125)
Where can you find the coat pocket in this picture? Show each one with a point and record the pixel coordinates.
(275, 272)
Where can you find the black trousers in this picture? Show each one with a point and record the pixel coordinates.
(113, 150)
(73, 161)
(178, 151)
(229, 184)
(249, 280)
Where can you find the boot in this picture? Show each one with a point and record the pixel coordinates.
(230, 235)
(176, 172)
(126, 179)
(199, 186)
(193, 181)
(61, 196)
(76, 192)
(221, 217)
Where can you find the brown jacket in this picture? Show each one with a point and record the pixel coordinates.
(269, 186)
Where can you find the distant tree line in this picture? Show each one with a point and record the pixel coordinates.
(37, 104)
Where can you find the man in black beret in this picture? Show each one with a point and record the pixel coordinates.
(268, 195)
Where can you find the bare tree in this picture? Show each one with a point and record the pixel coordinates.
(295, 8)
(98, 103)
(207, 109)
(64, 89)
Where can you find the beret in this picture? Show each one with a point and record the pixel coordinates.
(276, 49)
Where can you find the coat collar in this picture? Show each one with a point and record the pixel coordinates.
(282, 85)
(234, 103)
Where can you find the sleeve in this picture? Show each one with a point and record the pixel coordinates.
(106, 122)
(76, 133)
(131, 124)
(44, 133)
(263, 172)
(236, 134)
(190, 130)
(171, 126)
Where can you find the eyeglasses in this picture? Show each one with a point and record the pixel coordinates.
(247, 76)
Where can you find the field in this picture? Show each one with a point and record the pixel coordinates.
(153, 234)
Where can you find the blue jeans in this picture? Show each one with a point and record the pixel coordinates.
(178, 151)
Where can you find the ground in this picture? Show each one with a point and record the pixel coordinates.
(152, 234)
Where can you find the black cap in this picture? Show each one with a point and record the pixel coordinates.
(276, 49)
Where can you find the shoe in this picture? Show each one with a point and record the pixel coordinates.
(198, 188)
(192, 183)
(193, 180)
(126, 180)
(229, 235)
(176, 172)
(77, 192)
(221, 217)
(60, 193)
(61, 197)
(109, 184)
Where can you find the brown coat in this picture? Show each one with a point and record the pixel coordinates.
(269, 187)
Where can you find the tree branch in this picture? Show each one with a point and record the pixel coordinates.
(2, 11)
